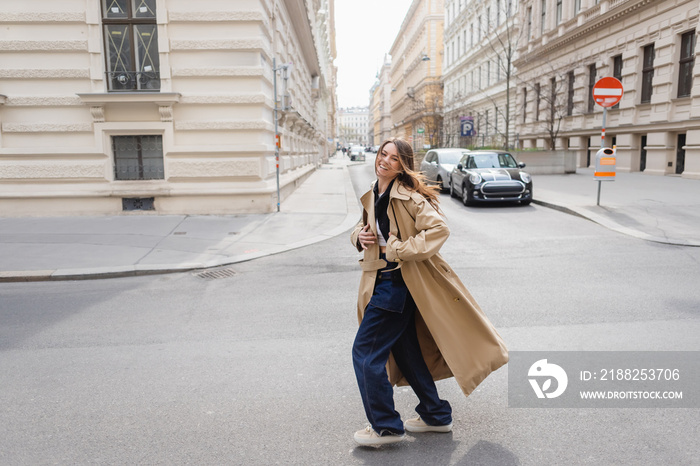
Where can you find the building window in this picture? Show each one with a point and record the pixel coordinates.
(486, 126)
(138, 157)
(498, 13)
(685, 73)
(537, 101)
(495, 119)
(131, 45)
(524, 104)
(617, 67)
(647, 73)
(559, 6)
(553, 97)
(617, 72)
(529, 23)
(577, 6)
(543, 19)
(591, 83)
(570, 97)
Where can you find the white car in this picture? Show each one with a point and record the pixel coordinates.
(437, 165)
(357, 153)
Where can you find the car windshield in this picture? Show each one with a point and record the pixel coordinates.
(492, 161)
(450, 157)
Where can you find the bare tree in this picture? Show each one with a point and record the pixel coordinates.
(503, 40)
(426, 108)
(553, 99)
(495, 38)
(451, 124)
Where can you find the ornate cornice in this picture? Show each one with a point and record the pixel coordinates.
(618, 11)
(300, 22)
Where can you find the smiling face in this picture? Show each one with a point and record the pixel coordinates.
(387, 166)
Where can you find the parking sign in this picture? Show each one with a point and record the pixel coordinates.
(467, 126)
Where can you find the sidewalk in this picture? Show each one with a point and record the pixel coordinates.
(664, 209)
(655, 208)
(68, 248)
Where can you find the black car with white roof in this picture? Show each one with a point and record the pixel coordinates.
(490, 176)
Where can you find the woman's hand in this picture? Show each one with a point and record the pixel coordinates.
(366, 237)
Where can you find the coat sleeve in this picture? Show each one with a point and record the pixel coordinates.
(432, 234)
(355, 236)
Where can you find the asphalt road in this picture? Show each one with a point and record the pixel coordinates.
(256, 369)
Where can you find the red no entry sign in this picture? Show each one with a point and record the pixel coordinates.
(607, 92)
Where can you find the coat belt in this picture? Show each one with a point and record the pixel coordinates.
(372, 265)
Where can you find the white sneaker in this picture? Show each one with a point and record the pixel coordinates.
(369, 437)
(418, 425)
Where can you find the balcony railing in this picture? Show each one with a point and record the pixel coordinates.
(133, 80)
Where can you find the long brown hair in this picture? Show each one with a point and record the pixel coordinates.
(411, 179)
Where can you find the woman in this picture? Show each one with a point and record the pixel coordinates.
(417, 320)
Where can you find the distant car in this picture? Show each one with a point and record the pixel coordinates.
(357, 153)
(437, 165)
(490, 176)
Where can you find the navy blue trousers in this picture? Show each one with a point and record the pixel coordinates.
(388, 326)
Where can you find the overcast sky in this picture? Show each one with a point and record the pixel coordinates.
(364, 32)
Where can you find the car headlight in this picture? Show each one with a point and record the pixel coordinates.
(475, 178)
(525, 177)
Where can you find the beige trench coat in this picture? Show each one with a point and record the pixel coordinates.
(456, 338)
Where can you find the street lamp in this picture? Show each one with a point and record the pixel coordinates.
(284, 67)
(425, 57)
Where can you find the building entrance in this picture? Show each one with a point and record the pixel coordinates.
(680, 154)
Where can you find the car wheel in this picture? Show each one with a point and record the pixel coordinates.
(525, 202)
(452, 189)
(466, 197)
(440, 185)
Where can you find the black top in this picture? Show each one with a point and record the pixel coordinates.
(381, 207)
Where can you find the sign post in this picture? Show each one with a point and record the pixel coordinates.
(606, 93)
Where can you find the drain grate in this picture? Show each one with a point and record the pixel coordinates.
(216, 274)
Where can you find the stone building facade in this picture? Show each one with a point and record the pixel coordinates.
(481, 39)
(354, 126)
(416, 70)
(162, 105)
(381, 104)
(650, 46)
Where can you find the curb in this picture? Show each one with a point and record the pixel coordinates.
(613, 226)
(351, 218)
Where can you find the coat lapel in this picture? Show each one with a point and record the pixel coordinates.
(367, 201)
(398, 194)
